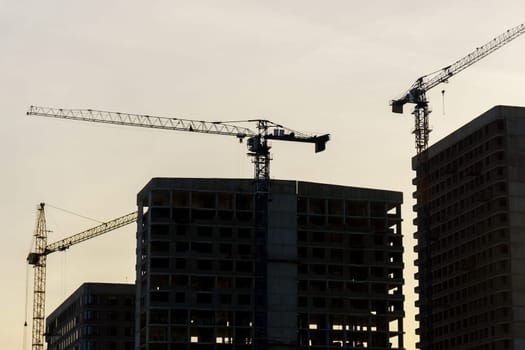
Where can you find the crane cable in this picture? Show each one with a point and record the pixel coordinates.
(73, 213)
(24, 345)
(443, 98)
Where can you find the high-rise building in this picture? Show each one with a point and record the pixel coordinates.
(471, 252)
(97, 316)
(334, 266)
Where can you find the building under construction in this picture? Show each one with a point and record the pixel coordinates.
(471, 268)
(334, 266)
(97, 316)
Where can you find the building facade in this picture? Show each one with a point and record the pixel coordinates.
(334, 266)
(97, 316)
(471, 267)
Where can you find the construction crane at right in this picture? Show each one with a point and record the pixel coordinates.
(417, 92)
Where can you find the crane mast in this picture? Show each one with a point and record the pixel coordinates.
(258, 149)
(38, 258)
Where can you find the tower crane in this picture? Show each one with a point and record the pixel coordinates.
(259, 150)
(38, 258)
(417, 92)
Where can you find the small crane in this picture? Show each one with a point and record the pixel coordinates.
(259, 150)
(38, 258)
(417, 92)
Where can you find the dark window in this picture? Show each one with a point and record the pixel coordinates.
(225, 299)
(180, 297)
(205, 231)
(159, 296)
(180, 263)
(244, 299)
(244, 266)
(182, 247)
(204, 264)
(204, 298)
(243, 282)
(244, 249)
(201, 247)
(225, 232)
(226, 265)
(160, 263)
(245, 233)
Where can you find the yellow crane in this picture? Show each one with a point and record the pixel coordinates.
(38, 258)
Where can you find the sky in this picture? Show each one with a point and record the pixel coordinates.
(316, 66)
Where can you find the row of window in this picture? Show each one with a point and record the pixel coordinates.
(474, 192)
(347, 256)
(194, 317)
(202, 200)
(484, 335)
(464, 240)
(450, 308)
(96, 299)
(355, 305)
(457, 320)
(245, 202)
(465, 262)
(350, 239)
(467, 148)
(351, 273)
(200, 232)
(340, 207)
(111, 331)
(201, 298)
(469, 178)
(199, 282)
(97, 315)
(163, 215)
(167, 263)
(482, 155)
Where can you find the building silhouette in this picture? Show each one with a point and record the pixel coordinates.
(97, 316)
(471, 256)
(334, 266)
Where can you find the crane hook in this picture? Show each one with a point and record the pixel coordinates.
(443, 98)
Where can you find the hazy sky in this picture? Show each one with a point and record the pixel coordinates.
(323, 66)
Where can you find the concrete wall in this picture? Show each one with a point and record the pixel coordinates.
(282, 269)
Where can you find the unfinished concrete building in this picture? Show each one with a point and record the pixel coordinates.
(334, 266)
(97, 316)
(471, 268)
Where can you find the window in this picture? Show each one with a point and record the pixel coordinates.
(244, 266)
(204, 298)
(204, 265)
(90, 299)
(244, 299)
(160, 263)
(180, 297)
(162, 297)
(225, 299)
